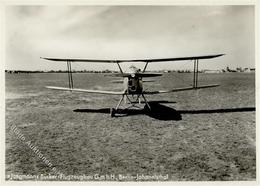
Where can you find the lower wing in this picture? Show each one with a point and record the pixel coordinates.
(87, 91)
(180, 89)
(123, 92)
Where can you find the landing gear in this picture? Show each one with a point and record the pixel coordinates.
(116, 111)
(112, 112)
(146, 103)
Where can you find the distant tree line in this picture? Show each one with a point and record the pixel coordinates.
(239, 69)
(58, 71)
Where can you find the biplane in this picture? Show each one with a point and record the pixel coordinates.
(134, 90)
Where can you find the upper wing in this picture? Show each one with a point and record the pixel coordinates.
(180, 89)
(87, 91)
(135, 60)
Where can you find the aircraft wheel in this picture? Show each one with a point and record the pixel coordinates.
(112, 112)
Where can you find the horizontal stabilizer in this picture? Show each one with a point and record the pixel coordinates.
(143, 80)
(137, 74)
(87, 91)
(180, 89)
(117, 81)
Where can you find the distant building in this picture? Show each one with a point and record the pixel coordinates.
(252, 69)
(239, 69)
(212, 71)
(246, 70)
(249, 70)
(230, 70)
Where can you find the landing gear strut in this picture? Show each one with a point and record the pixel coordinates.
(113, 111)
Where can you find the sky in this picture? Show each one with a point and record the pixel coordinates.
(128, 32)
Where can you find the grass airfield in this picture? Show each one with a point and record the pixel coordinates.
(209, 135)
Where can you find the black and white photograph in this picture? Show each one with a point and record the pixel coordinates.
(129, 93)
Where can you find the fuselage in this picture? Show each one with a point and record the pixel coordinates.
(133, 81)
(133, 84)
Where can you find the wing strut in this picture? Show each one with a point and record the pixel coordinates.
(120, 68)
(195, 73)
(145, 66)
(70, 75)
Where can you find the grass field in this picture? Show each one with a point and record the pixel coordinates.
(213, 137)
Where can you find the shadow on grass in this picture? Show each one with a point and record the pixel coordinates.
(244, 109)
(162, 112)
